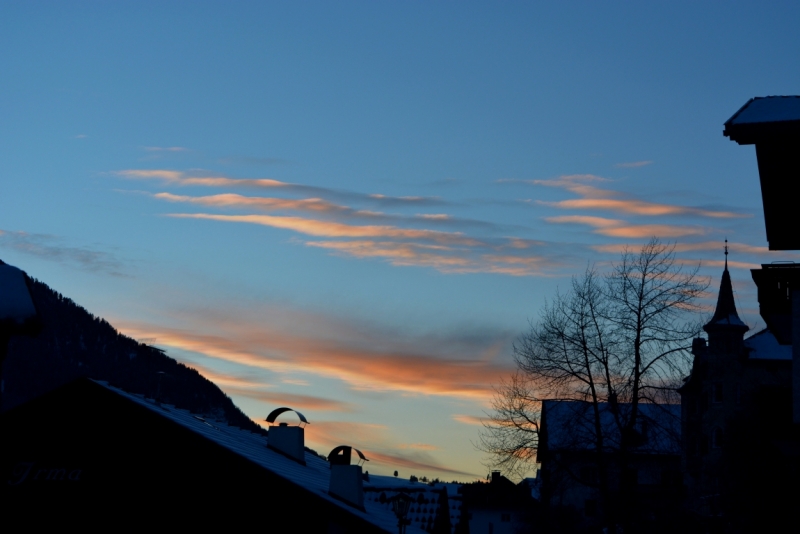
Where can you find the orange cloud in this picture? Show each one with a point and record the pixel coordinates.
(441, 258)
(649, 230)
(731, 263)
(451, 252)
(618, 228)
(254, 389)
(234, 200)
(715, 247)
(360, 364)
(418, 446)
(182, 179)
(301, 402)
(469, 419)
(639, 207)
(419, 466)
(372, 440)
(334, 229)
(576, 183)
(595, 198)
(331, 434)
(597, 222)
(179, 178)
(226, 380)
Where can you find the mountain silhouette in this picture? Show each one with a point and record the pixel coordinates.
(73, 343)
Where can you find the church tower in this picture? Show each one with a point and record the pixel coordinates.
(710, 396)
(725, 329)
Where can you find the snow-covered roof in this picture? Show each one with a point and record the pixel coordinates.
(314, 476)
(765, 120)
(768, 109)
(570, 426)
(764, 346)
(15, 299)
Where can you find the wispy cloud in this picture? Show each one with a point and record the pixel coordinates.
(443, 259)
(165, 149)
(702, 246)
(640, 207)
(618, 228)
(633, 164)
(667, 231)
(320, 228)
(199, 179)
(418, 446)
(249, 160)
(53, 248)
(321, 206)
(595, 198)
(362, 356)
(372, 440)
(265, 203)
(597, 222)
(434, 240)
(419, 462)
(237, 385)
(469, 419)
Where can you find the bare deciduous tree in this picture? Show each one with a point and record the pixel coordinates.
(620, 340)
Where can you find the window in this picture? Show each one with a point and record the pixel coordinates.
(718, 440)
(716, 393)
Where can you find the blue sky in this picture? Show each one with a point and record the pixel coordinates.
(355, 208)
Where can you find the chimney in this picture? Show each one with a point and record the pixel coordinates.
(285, 439)
(347, 481)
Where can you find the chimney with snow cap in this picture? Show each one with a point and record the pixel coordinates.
(347, 481)
(285, 439)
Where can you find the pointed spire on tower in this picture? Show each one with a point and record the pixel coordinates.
(726, 253)
(725, 314)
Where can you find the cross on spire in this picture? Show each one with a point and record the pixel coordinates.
(726, 253)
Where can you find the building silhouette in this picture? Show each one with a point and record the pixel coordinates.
(736, 418)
